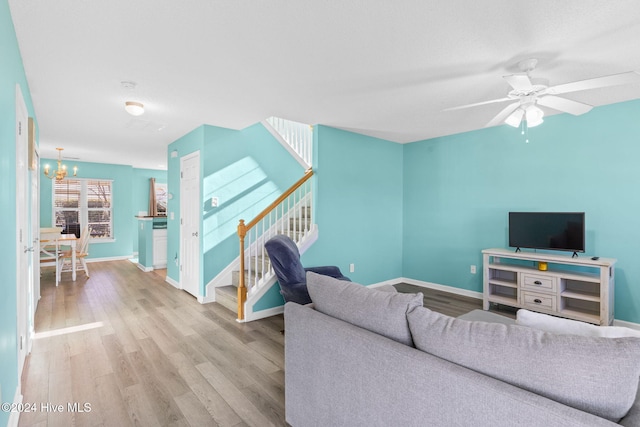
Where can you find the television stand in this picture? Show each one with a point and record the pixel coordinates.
(574, 288)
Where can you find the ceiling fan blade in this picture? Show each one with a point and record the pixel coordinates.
(605, 81)
(477, 104)
(519, 81)
(564, 104)
(502, 115)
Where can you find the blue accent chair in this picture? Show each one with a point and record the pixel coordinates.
(292, 276)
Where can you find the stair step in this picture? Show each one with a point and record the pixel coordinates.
(235, 277)
(227, 296)
(252, 266)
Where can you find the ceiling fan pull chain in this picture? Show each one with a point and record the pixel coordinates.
(525, 131)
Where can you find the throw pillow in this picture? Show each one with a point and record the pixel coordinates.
(596, 375)
(384, 313)
(567, 326)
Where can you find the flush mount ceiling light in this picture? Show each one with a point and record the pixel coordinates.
(134, 108)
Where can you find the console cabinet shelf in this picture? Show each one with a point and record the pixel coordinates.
(576, 288)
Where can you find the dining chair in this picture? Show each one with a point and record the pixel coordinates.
(50, 250)
(82, 251)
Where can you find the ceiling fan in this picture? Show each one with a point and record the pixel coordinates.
(528, 93)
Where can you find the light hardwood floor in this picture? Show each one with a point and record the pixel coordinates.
(141, 352)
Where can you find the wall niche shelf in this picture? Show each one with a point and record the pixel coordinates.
(575, 288)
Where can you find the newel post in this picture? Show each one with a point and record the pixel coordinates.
(242, 290)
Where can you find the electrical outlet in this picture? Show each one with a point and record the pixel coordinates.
(214, 202)
(473, 269)
(352, 268)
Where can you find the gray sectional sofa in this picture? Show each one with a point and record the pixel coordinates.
(360, 357)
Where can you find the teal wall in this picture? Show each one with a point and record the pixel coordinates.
(459, 189)
(246, 170)
(11, 73)
(359, 201)
(130, 195)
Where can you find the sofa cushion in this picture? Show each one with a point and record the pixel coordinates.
(384, 313)
(559, 325)
(596, 375)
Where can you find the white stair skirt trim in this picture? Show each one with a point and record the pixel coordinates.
(285, 144)
(223, 278)
(250, 316)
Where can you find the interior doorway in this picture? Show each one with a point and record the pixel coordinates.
(190, 223)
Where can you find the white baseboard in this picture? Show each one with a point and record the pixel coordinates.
(172, 282)
(143, 268)
(626, 324)
(208, 298)
(385, 283)
(113, 258)
(438, 287)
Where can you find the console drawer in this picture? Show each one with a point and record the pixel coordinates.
(536, 300)
(544, 283)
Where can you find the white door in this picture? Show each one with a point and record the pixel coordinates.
(190, 223)
(23, 242)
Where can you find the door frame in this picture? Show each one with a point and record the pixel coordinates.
(24, 280)
(193, 263)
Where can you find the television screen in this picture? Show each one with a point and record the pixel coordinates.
(561, 231)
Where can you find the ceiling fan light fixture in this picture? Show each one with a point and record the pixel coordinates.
(134, 108)
(515, 118)
(534, 116)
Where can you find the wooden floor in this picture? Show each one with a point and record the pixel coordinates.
(139, 352)
(451, 304)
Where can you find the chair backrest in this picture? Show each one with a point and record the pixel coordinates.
(83, 244)
(285, 260)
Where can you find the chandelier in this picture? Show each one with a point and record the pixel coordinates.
(61, 172)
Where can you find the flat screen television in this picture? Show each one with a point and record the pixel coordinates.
(559, 231)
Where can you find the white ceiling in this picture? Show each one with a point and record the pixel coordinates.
(377, 67)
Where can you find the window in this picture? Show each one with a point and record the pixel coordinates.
(84, 202)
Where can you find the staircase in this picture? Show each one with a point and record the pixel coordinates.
(290, 214)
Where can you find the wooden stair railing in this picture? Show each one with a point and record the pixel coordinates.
(301, 199)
